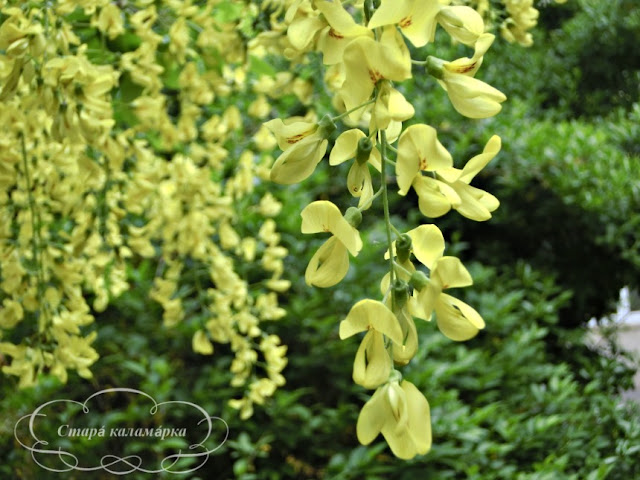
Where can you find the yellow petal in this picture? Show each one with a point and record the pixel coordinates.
(472, 97)
(419, 149)
(426, 301)
(372, 417)
(457, 320)
(427, 244)
(420, 417)
(416, 19)
(368, 314)
(302, 31)
(346, 146)
(372, 364)
(289, 133)
(298, 162)
(451, 273)
(329, 264)
(324, 216)
(478, 162)
(402, 354)
(462, 23)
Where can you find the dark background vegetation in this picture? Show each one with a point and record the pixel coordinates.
(528, 398)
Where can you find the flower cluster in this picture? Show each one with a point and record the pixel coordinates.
(366, 53)
(123, 145)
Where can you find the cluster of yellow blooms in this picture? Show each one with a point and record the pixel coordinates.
(122, 143)
(515, 18)
(365, 52)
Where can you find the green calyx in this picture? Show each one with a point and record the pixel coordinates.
(353, 216)
(364, 150)
(400, 293)
(403, 247)
(435, 67)
(419, 280)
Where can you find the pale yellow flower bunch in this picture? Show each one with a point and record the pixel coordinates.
(365, 49)
(139, 153)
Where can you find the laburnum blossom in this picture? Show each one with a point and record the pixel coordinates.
(367, 61)
(417, 20)
(359, 177)
(450, 188)
(471, 97)
(419, 150)
(372, 365)
(330, 263)
(461, 22)
(475, 204)
(303, 145)
(401, 413)
(456, 320)
(341, 29)
(390, 106)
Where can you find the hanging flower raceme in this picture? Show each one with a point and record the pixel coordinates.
(330, 263)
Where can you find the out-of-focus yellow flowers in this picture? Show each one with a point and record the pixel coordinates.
(120, 153)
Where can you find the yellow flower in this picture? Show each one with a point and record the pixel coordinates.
(330, 263)
(334, 38)
(470, 97)
(419, 150)
(455, 319)
(367, 62)
(462, 23)
(372, 365)
(401, 413)
(359, 177)
(415, 18)
(390, 106)
(201, 344)
(303, 144)
(475, 204)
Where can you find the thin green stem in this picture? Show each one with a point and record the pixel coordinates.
(385, 200)
(349, 112)
(400, 267)
(370, 201)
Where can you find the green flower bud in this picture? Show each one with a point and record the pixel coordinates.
(419, 280)
(364, 150)
(403, 247)
(353, 216)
